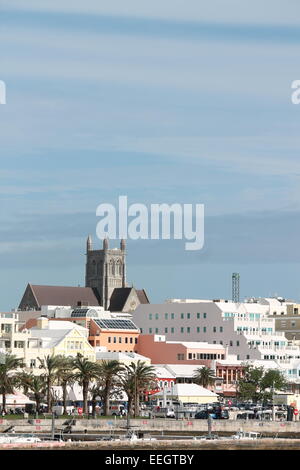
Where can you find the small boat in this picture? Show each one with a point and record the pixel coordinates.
(246, 435)
(134, 437)
(19, 439)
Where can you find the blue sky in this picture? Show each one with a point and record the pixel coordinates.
(170, 101)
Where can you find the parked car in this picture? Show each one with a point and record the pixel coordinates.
(215, 413)
(246, 414)
(159, 412)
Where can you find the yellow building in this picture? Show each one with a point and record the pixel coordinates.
(45, 339)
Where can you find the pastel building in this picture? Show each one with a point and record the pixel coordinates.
(179, 352)
(115, 332)
(246, 328)
(46, 338)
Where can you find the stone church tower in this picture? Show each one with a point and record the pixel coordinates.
(105, 269)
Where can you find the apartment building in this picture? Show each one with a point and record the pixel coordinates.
(46, 338)
(176, 352)
(116, 332)
(245, 328)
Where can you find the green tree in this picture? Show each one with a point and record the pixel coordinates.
(137, 378)
(65, 376)
(204, 376)
(86, 372)
(50, 365)
(109, 372)
(23, 380)
(7, 379)
(36, 384)
(258, 384)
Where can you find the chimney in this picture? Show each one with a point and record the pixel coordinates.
(42, 323)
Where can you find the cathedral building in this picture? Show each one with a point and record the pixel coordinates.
(105, 269)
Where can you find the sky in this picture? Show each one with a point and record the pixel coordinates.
(183, 102)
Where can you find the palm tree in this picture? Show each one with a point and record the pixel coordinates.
(65, 377)
(38, 387)
(137, 378)
(86, 372)
(23, 380)
(96, 390)
(51, 365)
(36, 384)
(204, 376)
(7, 379)
(109, 370)
(127, 384)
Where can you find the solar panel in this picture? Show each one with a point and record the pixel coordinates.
(116, 324)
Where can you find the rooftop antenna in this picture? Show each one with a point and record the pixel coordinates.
(236, 287)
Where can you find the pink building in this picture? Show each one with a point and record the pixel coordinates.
(161, 351)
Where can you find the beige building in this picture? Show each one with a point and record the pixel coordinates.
(289, 323)
(46, 338)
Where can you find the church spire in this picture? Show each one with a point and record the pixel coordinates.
(105, 244)
(89, 244)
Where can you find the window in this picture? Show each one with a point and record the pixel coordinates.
(166, 316)
(120, 339)
(126, 339)
(237, 343)
(204, 329)
(214, 329)
(150, 316)
(115, 339)
(188, 330)
(156, 330)
(32, 363)
(188, 315)
(166, 330)
(221, 329)
(156, 316)
(198, 316)
(135, 340)
(198, 329)
(131, 340)
(182, 315)
(190, 356)
(150, 331)
(182, 330)
(109, 339)
(204, 315)
(172, 316)
(172, 330)
(230, 343)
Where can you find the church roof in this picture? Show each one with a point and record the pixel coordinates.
(143, 298)
(62, 295)
(119, 298)
(120, 295)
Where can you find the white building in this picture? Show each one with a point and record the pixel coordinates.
(245, 328)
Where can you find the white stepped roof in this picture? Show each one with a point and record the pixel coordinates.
(189, 390)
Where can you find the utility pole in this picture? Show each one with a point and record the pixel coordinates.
(53, 425)
(273, 406)
(209, 424)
